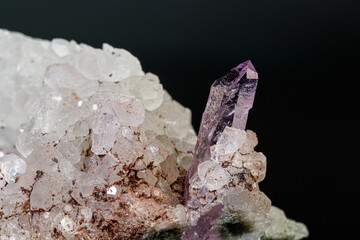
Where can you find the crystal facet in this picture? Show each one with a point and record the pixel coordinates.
(12, 166)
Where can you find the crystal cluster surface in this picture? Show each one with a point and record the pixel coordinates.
(91, 147)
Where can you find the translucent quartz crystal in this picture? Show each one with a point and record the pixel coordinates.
(11, 166)
(91, 147)
(231, 97)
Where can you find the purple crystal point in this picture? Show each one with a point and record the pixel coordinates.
(231, 97)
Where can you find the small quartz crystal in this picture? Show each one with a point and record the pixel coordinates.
(12, 166)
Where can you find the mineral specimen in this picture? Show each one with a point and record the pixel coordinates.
(222, 134)
(91, 147)
(226, 170)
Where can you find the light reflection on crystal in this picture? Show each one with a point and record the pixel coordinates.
(80, 103)
(112, 190)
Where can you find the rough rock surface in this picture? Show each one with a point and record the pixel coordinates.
(91, 147)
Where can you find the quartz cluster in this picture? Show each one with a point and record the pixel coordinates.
(91, 147)
(226, 170)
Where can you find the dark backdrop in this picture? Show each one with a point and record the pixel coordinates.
(306, 54)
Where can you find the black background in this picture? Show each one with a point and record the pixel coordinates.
(306, 53)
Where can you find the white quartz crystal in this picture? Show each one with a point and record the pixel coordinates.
(230, 141)
(12, 166)
(82, 132)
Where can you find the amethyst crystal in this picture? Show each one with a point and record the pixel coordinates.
(231, 97)
(203, 229)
